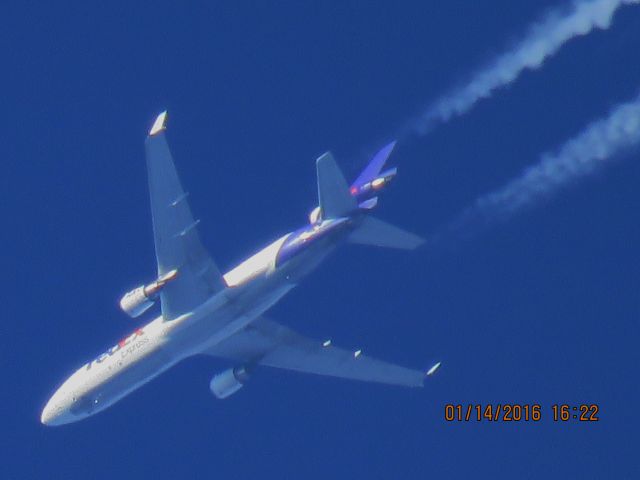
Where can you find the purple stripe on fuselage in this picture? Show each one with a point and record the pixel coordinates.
(303, 238)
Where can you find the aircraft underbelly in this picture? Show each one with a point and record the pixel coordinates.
(200, 331)
(171, 347)
(230, 319)
(124, 382)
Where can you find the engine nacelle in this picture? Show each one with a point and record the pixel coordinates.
(228, 382)
(136, 302)
(141, 299)
(315, 216)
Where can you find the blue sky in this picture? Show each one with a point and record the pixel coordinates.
(543, 309)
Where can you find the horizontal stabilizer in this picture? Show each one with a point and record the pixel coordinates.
(333, 192)
(382, 234)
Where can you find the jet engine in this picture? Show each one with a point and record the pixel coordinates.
(139, 300)
(228, 382)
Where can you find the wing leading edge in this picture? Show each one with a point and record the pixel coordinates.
(268, 343)
(175, 234)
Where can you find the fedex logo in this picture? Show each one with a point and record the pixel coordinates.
(119, 346)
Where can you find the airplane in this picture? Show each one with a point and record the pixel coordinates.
(206, 312)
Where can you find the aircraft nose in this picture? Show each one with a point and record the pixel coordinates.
(47, 415)
(55, 413)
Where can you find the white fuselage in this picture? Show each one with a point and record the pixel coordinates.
(254, 286)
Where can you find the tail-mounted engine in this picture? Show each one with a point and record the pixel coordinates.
(139, 300)
(229, 382)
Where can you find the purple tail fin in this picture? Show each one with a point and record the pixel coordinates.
(373, 169)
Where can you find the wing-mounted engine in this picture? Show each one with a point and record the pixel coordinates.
(228, 382)
(139, 300)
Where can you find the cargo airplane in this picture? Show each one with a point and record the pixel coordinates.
(206, 312)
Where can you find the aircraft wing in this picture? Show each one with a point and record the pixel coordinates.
(266, 342)
(174, 229)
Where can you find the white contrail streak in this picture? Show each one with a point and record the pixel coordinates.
(544, 38)
(601, 143)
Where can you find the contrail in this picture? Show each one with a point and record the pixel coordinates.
(544, 38)
(600, 143)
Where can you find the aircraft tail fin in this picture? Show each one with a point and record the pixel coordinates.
(373, 231)
(334, 197)
(375, 166)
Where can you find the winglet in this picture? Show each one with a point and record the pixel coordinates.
(433, 369)
(159, 124)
